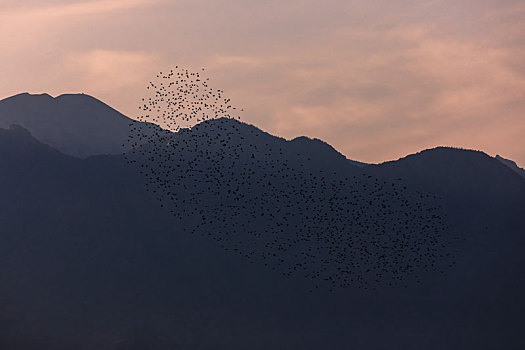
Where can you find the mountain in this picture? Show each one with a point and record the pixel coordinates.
(75, 124)
(82, 126)
(485, 202)
(473, 173)
(97, 253)
(511, 164)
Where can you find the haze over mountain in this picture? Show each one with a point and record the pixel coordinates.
(75, 124)
(81, 125)
(92, 257)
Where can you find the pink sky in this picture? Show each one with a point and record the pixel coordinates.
(377, 79)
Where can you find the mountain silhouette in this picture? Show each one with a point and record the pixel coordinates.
(96, 254)
(511, 164)
(75, 124)
(480, 178)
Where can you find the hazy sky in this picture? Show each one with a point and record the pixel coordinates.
(377, 79)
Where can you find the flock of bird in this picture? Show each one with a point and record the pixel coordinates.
(259, 197)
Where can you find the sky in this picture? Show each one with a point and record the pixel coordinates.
(377, 79)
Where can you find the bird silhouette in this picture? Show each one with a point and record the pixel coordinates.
(268, 200)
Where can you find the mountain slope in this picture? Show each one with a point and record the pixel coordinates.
(485, 202)
(75, 124)
(81, 125)
(87, 248)
(460, 175)
(511, 164)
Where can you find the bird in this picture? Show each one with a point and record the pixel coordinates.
(266, 199)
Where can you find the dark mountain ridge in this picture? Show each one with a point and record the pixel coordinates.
(75, 124)
(81, 125)
(101, 260)
(512, 165)
(99, 251)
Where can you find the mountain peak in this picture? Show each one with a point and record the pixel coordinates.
(77, 96)
(27, 96)
(19, 130)
(47, 96)
(18, 143)
(75, 124)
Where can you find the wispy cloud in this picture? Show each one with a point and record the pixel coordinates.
(39, 11)
(109, 74)
(377, 79)
(110, 70)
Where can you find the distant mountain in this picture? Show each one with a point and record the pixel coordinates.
(81, 125)
(454, 172)
(94, 254)
(75, 124)
(511, 164)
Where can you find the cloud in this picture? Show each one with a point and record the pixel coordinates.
(384, 93)
(110, 74)
(106, 70)
(377, 79)
(30, 11)
(235, 60)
